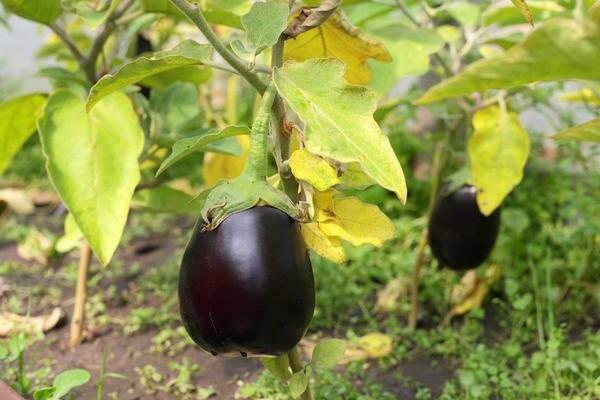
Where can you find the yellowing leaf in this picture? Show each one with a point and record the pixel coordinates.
(313, 169)
(498, 151)
(350, 219)
(469, 293)
(589, 131)
(585, 95)
(524, 9)
(11, 324)
(376, 344)
(339, 120)
(325, 246)
(337, 38)
(218, 167)
(389, 297)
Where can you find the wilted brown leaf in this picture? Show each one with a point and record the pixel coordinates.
(11, 324)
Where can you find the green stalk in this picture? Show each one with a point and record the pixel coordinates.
(258, 154)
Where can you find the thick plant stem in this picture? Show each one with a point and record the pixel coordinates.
(438, 163)
(78, 320)
(296, 366)
(258, 154)
(194, 14)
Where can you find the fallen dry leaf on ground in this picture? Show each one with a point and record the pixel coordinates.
(11, 324)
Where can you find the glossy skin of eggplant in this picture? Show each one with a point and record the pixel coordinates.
(460, 236)
(247, 286)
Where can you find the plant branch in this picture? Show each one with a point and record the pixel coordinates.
(309, 18)
(66, 39)
(296, 366)
(85, 258)
(194, 14)
(438, 166)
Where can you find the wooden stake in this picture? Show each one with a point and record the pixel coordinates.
(85, 258)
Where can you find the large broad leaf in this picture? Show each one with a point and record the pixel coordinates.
(185, 54)
(165, 199)
(184, 147)
(92, 162)
(264, 23)
(337, 38)
(560, 49)
(339, 119)
(498, 152)
(42, 11)
(588, 132)
(17, 122)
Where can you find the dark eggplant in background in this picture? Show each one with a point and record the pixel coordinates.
(460, 236)
(247, 286)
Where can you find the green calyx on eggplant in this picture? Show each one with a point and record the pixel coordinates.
(247, 286)
(460, 236)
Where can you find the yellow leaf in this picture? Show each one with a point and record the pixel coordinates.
(323, 203)
(337, 38)
(355, 221)
(389, 297)
(469, 293)
(376, 344)
(498, 150)
(325, 246)
(585, 95)
(217, 167)
(313, 169)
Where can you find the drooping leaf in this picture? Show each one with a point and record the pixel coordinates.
(264, 23)
(187, 146)
(339, 119)
(376, 344)
(328, 352)
(278, 366)
(588, 132)
(217, 167)
(298, 384)
(326, 246)
(185, 54)
(42, 11)
(313, 169)
(558, 49)
(17, 122)
(338, 39)
(96, 170)
(350, 219)
(524, 9)
(68, 380)
(498, 151)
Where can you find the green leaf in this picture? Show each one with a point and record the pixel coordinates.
(559, 49)
(190, 73)
(71, 237)
(464, 12)
(212, 12)
(184, 147)
(17, 122)
(93, 16)
(92, 162)
(185, 54)
(44, 393)
(498, 151)
(42, 11)
(328, 352)
(400, 41)
(68, 380)
(339, 119)
(524, 9)
(278, 366)
(298, 384)
(588, 132)
(264, 23)
(165, 199)
(509, 15)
